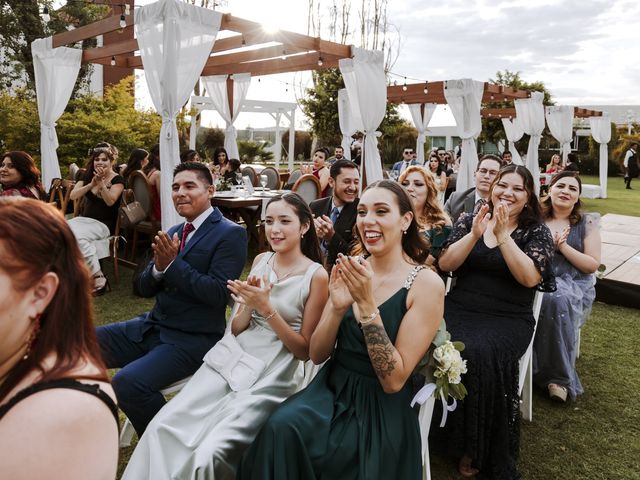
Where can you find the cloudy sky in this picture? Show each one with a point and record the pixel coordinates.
(585, 51)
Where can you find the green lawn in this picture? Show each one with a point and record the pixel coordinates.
(620, 200)
(595, 438)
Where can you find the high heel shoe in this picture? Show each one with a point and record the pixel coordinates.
(557, 392)
(100, 288)
(465, 469)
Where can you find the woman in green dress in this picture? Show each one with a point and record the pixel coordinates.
(354, 420)
(434, 223)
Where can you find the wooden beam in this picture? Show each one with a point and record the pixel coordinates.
(120, 48)
(414, 93)
(499, 93)
(109, 24)
(498, 113)
(296, 63)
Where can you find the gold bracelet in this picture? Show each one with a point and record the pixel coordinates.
(367, 319)
(270, 316)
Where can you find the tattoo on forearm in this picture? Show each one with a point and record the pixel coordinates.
(380, 349)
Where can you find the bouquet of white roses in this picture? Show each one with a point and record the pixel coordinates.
(449, 369)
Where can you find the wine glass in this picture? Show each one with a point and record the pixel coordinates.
(263, 181)
(245, 181)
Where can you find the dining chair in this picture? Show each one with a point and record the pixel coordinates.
(273, 176)
(308, 187)
(293, 178)
(251, 173)
(149, 226)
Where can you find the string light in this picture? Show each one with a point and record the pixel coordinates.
(113, 61)
(331, 99)
(123, 21)
(320, 62)
(45, 14)
(404, 87)
(284, 55)
(244, 42)
(425, 90)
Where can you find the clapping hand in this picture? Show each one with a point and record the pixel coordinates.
(165, 250)
(254, 293)
(480, 221)
(356, 273)
(324, 228)
(501, 216)
(560, 238)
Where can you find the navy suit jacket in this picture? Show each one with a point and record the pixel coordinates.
(398, 165)
(343, 228)
(192, 296)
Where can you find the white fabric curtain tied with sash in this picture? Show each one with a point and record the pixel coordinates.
(560, 122)
(175, 41)
(514, 132)
(421, 121)
(530, 114)
(464, 97)
(216, 86)
(601, 133)
(366, 86)
(348, 123)
(56, 71)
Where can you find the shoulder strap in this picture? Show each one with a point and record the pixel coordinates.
(70, 383)
(412, 276)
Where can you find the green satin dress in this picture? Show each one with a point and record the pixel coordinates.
(343, 425)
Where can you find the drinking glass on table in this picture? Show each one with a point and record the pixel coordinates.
(263, 181)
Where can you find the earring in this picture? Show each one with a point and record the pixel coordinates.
(404, 232)
(302, 235)
(33, 335)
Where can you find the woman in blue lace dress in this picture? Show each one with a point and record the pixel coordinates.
(578, 245)
(499, 258)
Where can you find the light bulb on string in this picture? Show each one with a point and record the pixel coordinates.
(45, 14)
(113, 61)
(331, 99)
(284, 55)
(320, 62)
(425, 90)
(244, 42)
(404, 87)
(123, 21)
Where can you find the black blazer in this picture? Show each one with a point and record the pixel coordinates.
(341, 241)
(192, 296)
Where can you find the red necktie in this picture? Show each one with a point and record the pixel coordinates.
(188, 228)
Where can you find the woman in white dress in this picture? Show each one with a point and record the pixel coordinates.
(203, 431)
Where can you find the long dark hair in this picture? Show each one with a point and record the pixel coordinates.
(310, 245)
(414, 243)
(66, 325)
(154, 159)
(215, 156)
(95, 153)
(26, 167)
(576, 211)
(135, 161)
(531, 213)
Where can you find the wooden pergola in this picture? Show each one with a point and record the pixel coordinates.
(249, 48)
(415, 93)
(511, 113)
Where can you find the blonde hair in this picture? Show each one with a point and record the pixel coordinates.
(432, 213)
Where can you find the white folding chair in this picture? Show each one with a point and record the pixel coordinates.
(525, 381)
(578, 342)
(127, 429)
(424, 420)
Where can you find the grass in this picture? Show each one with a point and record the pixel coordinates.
(595, 438)
(620, 200)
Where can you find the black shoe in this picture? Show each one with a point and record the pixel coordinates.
(629, 187)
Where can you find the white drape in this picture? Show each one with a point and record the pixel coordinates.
(464, 98)
(601, 133)
(530, 114)
(421, 121)
(175, 40)
(366, 85)
(514, 132)
(216, 86)
(348, 124)
(560, 122)
(56, 71)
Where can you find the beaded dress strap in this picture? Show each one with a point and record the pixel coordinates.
(412, 276)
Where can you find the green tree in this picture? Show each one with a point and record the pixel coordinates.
(321, 105)
(492, 129)
(21, 24)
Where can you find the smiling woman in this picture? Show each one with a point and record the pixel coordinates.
(498, 257)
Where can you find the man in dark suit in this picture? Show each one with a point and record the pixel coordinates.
(188, 276)
(469, 200)
(572, 163)
(407, 160)
(336, 215)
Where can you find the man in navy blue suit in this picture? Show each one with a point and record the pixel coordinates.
(188, 276)
(407, 160)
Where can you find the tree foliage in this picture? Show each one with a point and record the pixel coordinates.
(492, 129)
(21, 24)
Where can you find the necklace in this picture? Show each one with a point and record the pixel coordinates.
(284, 277)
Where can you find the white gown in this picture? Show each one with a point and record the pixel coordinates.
(203, 431)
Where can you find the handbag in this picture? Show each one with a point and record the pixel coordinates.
(240, 369)
(131, 214)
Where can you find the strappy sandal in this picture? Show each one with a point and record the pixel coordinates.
(557, 392)
(100, 287)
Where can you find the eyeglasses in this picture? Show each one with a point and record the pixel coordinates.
(441, 154)
(484, 171)
(408, 152)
